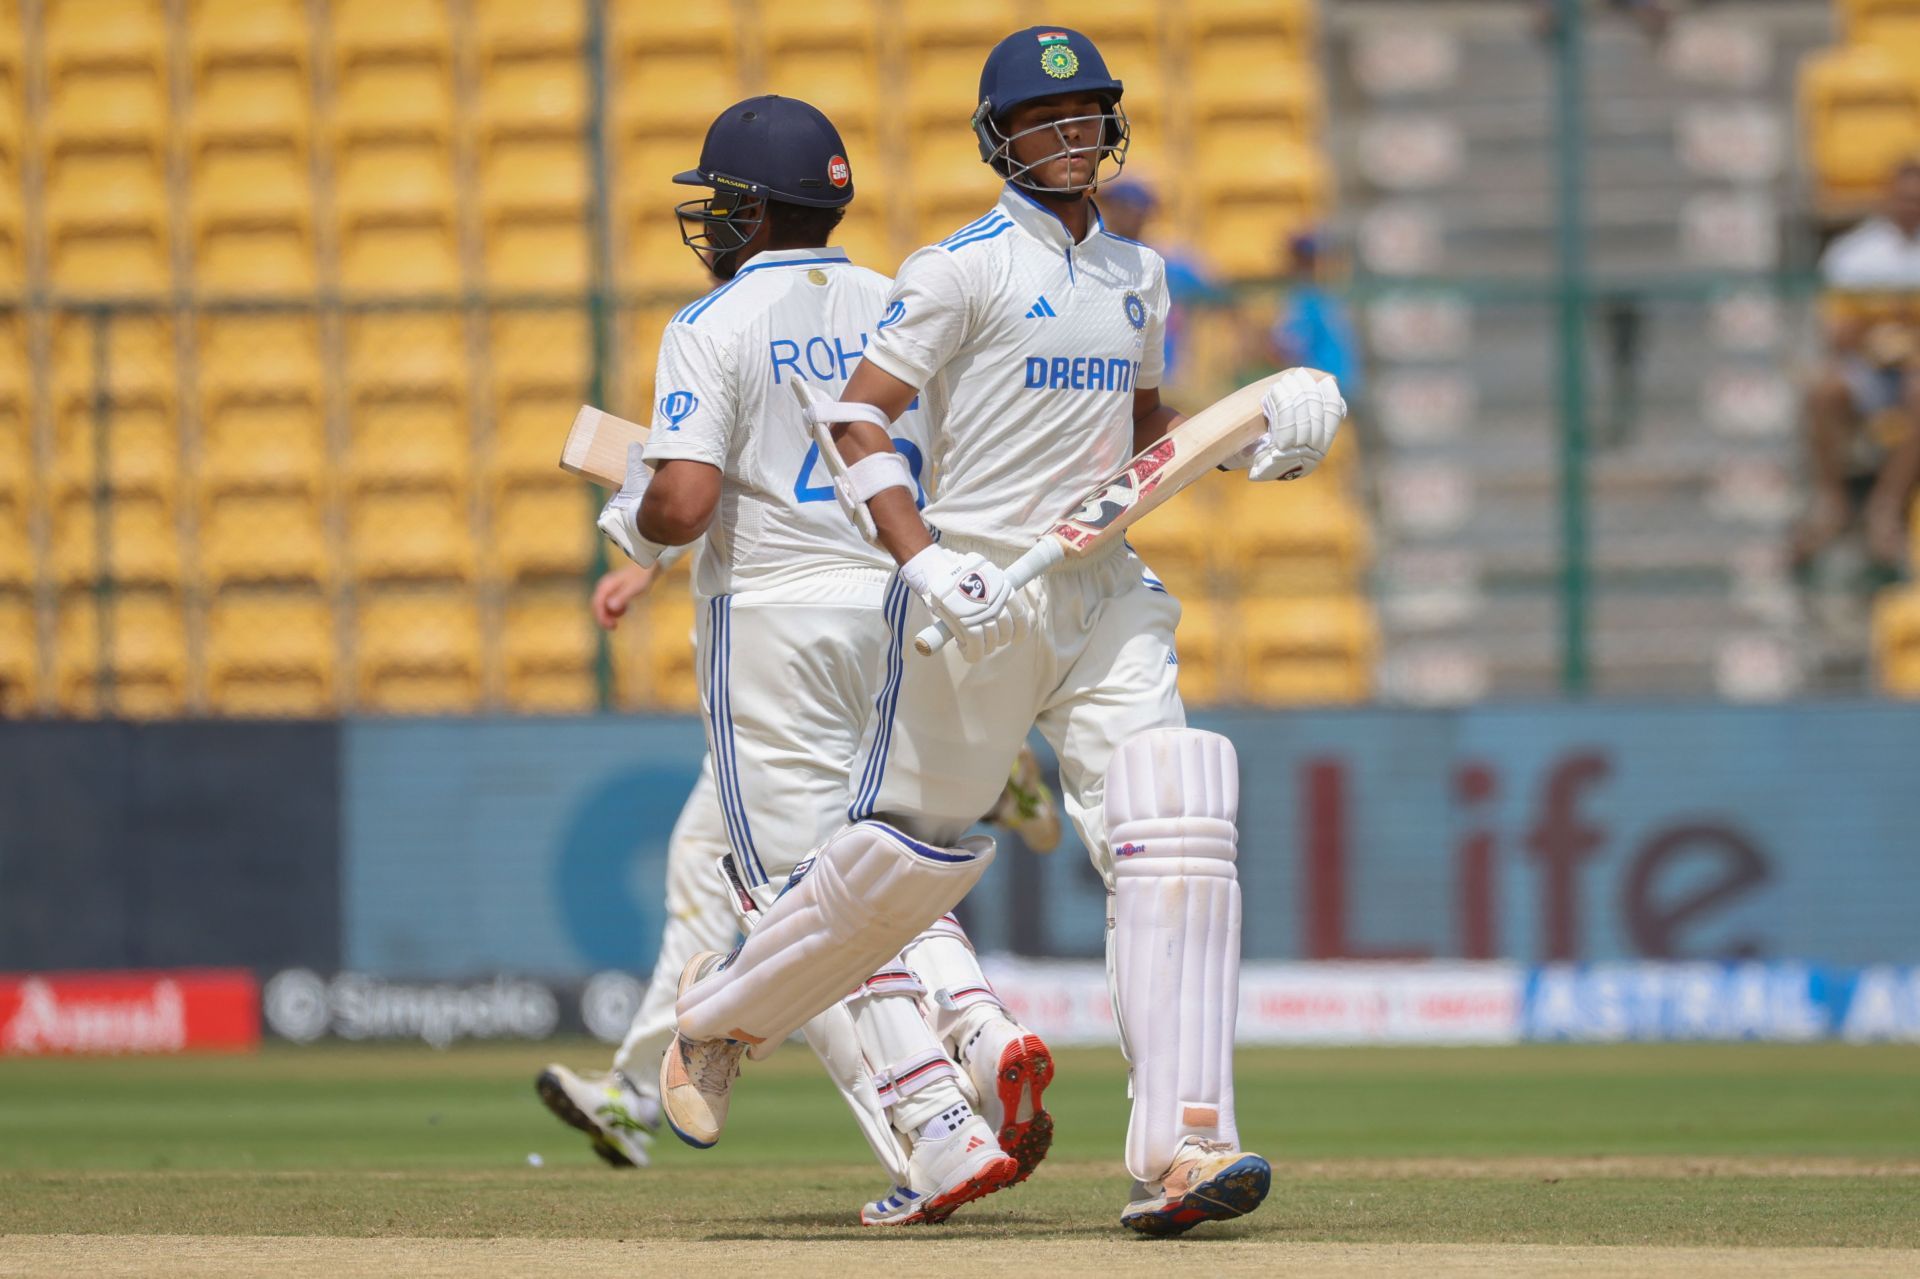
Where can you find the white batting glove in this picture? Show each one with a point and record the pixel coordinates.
(620, 517)
(1304, 412)
(972, 596)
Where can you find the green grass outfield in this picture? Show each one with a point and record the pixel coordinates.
(1629, 1146)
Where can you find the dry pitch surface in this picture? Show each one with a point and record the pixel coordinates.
(1724, 1160)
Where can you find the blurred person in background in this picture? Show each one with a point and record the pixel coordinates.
(1126, 207)
(1863, 412)
(1315, 328)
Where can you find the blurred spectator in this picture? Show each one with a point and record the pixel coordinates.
(1314, 327)
(1863, 413)
(1126, 207)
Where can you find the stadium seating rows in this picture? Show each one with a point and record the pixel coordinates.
(1860, 102)
(257, 504)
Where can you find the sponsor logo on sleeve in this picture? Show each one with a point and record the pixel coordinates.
(896, 311)
(677, 406)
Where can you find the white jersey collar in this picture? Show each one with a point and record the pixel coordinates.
(792, 257)
(1040, 222)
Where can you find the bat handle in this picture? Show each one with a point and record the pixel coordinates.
(1040, 557)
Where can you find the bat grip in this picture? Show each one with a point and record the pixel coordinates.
(1040, 557)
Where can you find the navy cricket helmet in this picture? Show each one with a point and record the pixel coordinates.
(765, 148)
(1042, 62)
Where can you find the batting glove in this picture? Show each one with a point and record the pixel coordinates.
(972, 596)
(620, 517)
(1304, 411)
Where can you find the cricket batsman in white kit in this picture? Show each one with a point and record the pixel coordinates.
(791, 641)
(619, 1109)
(1036, 339)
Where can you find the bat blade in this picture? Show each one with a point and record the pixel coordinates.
(596, 447)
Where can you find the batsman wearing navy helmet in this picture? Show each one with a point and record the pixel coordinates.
(791, 647)
(1036, 339)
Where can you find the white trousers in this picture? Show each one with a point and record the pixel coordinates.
(1099, 667)
(699, 917)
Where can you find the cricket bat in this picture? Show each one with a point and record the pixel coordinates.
(1155, 474)
(596, 447)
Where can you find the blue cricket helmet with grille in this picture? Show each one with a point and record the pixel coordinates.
(1044, 62)
(765, 148)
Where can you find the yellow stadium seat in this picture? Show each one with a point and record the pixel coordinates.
(548, 652)
(1304, 539)
(1222, 93)
(270, 446)
(19, 654)
(527, 430)
(15, 382)
(262, 262)
(544, 531)
(251, 188)
(251, 106)
(514, 28)
(248, 33)
(815, 24)
(674, 97)
(255, 356)
(1861, 110)
(386, 101)
(18, 567)
(401, 261)
(130, 662)
(539, 351)
(13, 237)
(641, 26)
(1896, 641)
(138, 545)
(1117, 24)
(102, 34)
(270, 653)
(136, 367)
(950, 186)
(411, 354)
(978, 25)
(535, 98)
(843, 83)
(107, 225)
(263, 537)
(417, 652)
(1178, 542)
(117, 111)
(640, 333)
(1308, 650)
(653, 651)
(140, 451)
(539, 257)
(391, 30)
(1893, 25)
(943, 88)
(409, 444)
(866, 236)
(416, 536)
(539, 180)
(1201, 650)
(396, 183)
(1243, 19)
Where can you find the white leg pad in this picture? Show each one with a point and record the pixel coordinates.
(835, 1040)
(845, 912)
(912, 1075)
(1173, 955)
(958, 995)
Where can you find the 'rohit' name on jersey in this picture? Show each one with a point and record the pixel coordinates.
(1080, 373)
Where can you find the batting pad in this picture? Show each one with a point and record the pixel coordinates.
(847, 910)
(1174, 952)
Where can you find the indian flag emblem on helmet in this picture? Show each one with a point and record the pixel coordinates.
(1056, 58)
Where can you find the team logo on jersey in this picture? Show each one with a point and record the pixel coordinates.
(1136, 311)
(677, 407)
(1057, 59)
(896, 311)
(973, 586)
(838, 171)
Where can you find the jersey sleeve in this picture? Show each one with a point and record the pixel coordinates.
(694, 406)
(1153, 351)
(924, 322)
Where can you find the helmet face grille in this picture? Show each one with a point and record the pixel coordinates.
(996, 148)
(718, 227)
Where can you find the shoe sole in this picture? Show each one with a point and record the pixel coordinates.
(554, 1095)
(1232, 1192)
(1026, 1068)
(998, 1175)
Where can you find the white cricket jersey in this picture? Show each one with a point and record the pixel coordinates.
(1027, 348)
(722, 397)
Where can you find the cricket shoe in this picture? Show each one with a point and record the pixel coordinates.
(1009, 1068)
(696, 1075)
(945, 1172)
(1209, 1181)
(1027, 806)
(617, 1117)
